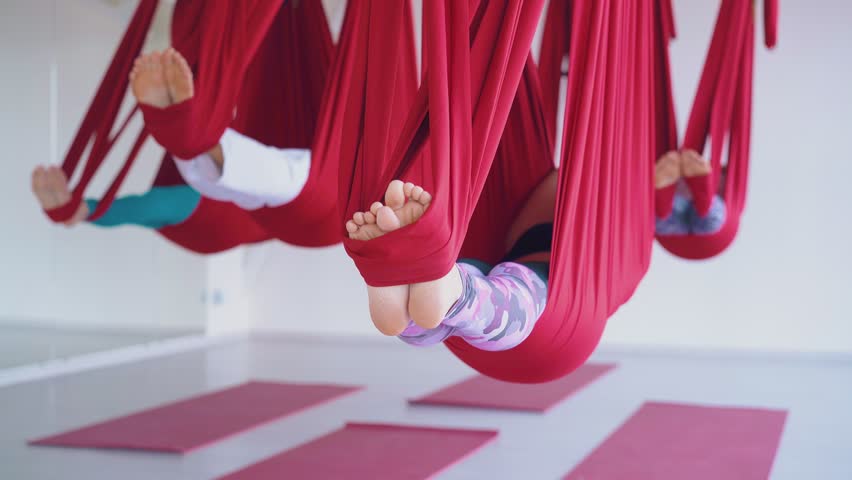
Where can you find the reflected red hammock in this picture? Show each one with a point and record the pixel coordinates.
(476, 53)
(271, 63)
(259, 43)
(721, 110)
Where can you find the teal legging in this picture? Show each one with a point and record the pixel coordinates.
(157, 208)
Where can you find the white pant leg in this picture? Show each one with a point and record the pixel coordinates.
(253, 175)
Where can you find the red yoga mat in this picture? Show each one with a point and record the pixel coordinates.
(672, 442)
(485, 392)
(371, 452)
(189, 424)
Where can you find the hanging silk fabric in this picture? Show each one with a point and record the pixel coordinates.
(202, 232)
(555, 45)
(722, 111)
(220, 41)
(475, 55)
(271, 62)
(524, 158)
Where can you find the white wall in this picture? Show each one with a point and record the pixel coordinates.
(54, 53)
(782, 286)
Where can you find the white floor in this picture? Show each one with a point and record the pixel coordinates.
(815, 445)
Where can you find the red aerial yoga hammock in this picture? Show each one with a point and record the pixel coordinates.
(270, 61)
(282, 54)
(722, 109)
(475, 53)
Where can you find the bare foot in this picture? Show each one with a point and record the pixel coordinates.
(694, 165)
(406, 203)
(148, 81)
(429, 302)
(42, 191)
(178, 76)
(667, 170)
(363, 224)
(50, 186)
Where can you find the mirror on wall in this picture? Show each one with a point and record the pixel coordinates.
(69, 291)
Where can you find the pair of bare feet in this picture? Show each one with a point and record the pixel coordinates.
(674, 165)
(425, 303)
(158, 79)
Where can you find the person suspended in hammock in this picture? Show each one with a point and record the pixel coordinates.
(254, 175)
(490, 308)
(675, 170)
(496, 308)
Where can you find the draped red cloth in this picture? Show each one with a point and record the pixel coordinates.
(448, 136)
(103, 112)
(556, 42)
(722, 110)
(476, 53)
(270, 61)
(603, 229)
(524, 158)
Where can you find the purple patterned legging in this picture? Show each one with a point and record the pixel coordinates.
(495, 312)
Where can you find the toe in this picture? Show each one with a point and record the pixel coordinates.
(387, 219)
(359, 218)
(38, 178)
(351, 226)
(416, 192)
(374, 208)
(395, 195)
(425, 198)
(369, 218)
(407, 188)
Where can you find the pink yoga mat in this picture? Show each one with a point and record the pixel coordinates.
(371, 452)
(485, 392)
(189, 424)
(674, 442)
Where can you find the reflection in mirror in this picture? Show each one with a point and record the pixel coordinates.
(67, 291)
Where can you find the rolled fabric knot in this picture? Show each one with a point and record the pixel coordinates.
(65, 212)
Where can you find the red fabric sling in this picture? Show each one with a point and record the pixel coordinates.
(524, 158)
(271, 62)
(604, 212)
(603, 229)
(472, 76)
(221, 39)
(722, 109)
(96, 131)
(97, 124)
(555, 45)
(281, 102)
(214, 226)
